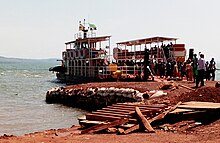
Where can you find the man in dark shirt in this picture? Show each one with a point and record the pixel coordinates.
(212, 68)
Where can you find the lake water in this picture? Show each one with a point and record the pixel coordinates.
(23, 87)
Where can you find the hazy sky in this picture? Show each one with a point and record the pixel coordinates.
(39, 28)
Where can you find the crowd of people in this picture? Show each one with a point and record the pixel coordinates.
(194, 69)
(164, 49)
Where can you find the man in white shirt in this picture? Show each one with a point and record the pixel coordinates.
(201, 71)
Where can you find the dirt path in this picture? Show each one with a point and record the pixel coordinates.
(71, 136)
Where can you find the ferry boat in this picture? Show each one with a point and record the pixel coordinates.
(88, 57)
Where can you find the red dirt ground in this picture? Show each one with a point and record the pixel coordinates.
(204, 134)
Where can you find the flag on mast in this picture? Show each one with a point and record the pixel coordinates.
(92, 26)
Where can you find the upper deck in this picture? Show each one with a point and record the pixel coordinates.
(146, 41)
(160, 48)
(89, 40)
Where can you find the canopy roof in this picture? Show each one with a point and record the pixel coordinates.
(146, 41)
(90, 39)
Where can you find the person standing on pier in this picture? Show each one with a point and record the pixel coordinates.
(195, 67)
(212, 68)
(201, 71)
(207, 72)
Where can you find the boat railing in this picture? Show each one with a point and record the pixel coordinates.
(105, 72)
(126, 71)
(130, 71)
(90, 71)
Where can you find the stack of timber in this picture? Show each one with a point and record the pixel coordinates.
(128, 117)
(124, 118)
(190, 115)
(197, 110)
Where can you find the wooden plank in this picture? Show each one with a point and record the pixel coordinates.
(144, 121)
(162, 115)
(104, 118)
(178, 110)
(105, 126)
(141, 105)
(132, 108)
(115, 110)
(125, 112)
(128, 125)
(199, 105)
(131, 129)
(110, 114)
(91, 123)
(100, 117)
(82, 118)
(119, 109)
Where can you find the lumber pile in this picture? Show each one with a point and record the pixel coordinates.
(191, 114)
(193, 106)
(124, 118)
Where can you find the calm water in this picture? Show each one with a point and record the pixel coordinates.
(218, 72)
(23, 86)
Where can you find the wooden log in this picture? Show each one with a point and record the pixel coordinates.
(144, 121)
(105, 126)
(160, 116)
(131, 129)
